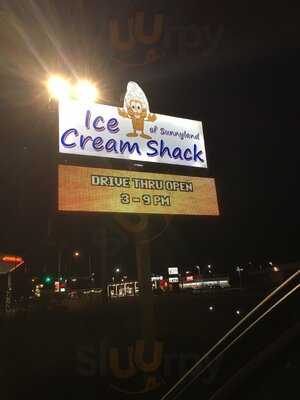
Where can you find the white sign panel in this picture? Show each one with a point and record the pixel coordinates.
(131, 132)
(173, 271)
(174, 280)
(156, 278)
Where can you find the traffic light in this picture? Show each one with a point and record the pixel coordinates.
(48, 279)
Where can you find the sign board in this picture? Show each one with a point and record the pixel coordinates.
(56, 286)
(174, 279)
(108, 190)
(156, 278)
(9, 263)
(131, 132)
(173, 271)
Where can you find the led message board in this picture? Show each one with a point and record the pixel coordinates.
(88, 189)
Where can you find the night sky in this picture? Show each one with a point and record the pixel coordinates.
(239, 76)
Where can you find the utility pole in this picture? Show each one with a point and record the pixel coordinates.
(8, 298)
(90, 265)
(59, 261)
(103, 249)
(239, 270)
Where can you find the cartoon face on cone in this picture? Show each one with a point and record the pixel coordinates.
(136, 108)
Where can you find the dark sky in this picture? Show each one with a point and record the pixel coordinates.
(232, 66)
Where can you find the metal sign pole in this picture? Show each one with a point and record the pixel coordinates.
(145, 293)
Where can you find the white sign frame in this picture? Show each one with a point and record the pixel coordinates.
(173, 271)
(105, 131)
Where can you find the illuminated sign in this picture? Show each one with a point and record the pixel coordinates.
(56, 286)
(8, 263)
(106, 190)
(131, 132)
(12, 259)
(174, 280)
(156, 278)
(173, 271)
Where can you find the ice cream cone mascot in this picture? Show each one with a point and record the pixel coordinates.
(136, 108)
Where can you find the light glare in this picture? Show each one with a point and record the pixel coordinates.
(86, 91)
(58, 87)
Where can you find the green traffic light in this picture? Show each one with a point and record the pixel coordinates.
(48, 279)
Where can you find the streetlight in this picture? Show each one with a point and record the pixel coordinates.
(60, 88)
(239, 270)
(116, 271)
(76, 253)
